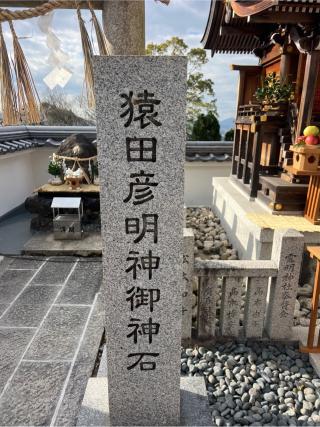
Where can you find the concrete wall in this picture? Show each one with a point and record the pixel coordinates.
(23, 171)
(198, 181)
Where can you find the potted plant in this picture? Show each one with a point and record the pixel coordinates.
(274, 94)
(55, 169)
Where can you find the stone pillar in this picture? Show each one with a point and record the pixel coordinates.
(255, 307)
(287, 251)
(124, 26)
(141, 104)
(207, 303)
(230, 306)
(188, 264)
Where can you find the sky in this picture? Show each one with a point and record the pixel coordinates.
(183, 18)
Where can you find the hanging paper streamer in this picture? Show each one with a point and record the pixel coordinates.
(60, 75)
(57, 77)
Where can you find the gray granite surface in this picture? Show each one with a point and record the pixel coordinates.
(154, 395)
(11, 284)
(44, 369)
(13, 344)
(3, 307)
(33, 394)
(54, 273)
(59, 334)
(30, 307)
(83, 368)
(83, 284)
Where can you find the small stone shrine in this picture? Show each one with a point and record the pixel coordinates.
(76, 146)
(141, 104)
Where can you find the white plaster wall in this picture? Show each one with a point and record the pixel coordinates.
(22, 172)
(40, 159)
(198, 181)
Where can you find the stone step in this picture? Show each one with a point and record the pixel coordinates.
(45, 244)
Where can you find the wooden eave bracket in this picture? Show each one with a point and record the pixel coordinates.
(235, 67)
(296, 38)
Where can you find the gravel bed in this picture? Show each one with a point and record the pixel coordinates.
(211, 241)
(302, 308)
(255, 384)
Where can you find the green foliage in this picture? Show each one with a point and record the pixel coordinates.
(200, 91)
(273, 90)
(54, 168)
(206, 128)
(229, 135)
(94, 169)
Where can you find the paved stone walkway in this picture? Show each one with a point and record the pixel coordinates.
(51, 324)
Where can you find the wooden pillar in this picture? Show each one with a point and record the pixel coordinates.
(311, 347)
(300, 74)
(285, 61)
(241, 88)
(124, 26)
(308, 90)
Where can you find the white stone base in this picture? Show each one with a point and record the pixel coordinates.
(232, 205)
(94, 411)
(194, 403)
(95, 408)
(301, 335)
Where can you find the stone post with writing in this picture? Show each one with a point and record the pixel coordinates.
(188, 263)
(287, 251)
(141, 144)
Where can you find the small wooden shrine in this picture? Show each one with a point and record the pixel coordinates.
(285, 36)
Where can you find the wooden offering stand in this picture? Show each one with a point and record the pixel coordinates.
(312, 207)
(305, 157)
(311, 212)
(310, 347)
(74, 182)
(306, 163)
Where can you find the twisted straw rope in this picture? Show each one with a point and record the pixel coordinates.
(33, 12)
(9, 15)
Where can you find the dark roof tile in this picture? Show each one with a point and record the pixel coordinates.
(17, 138)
